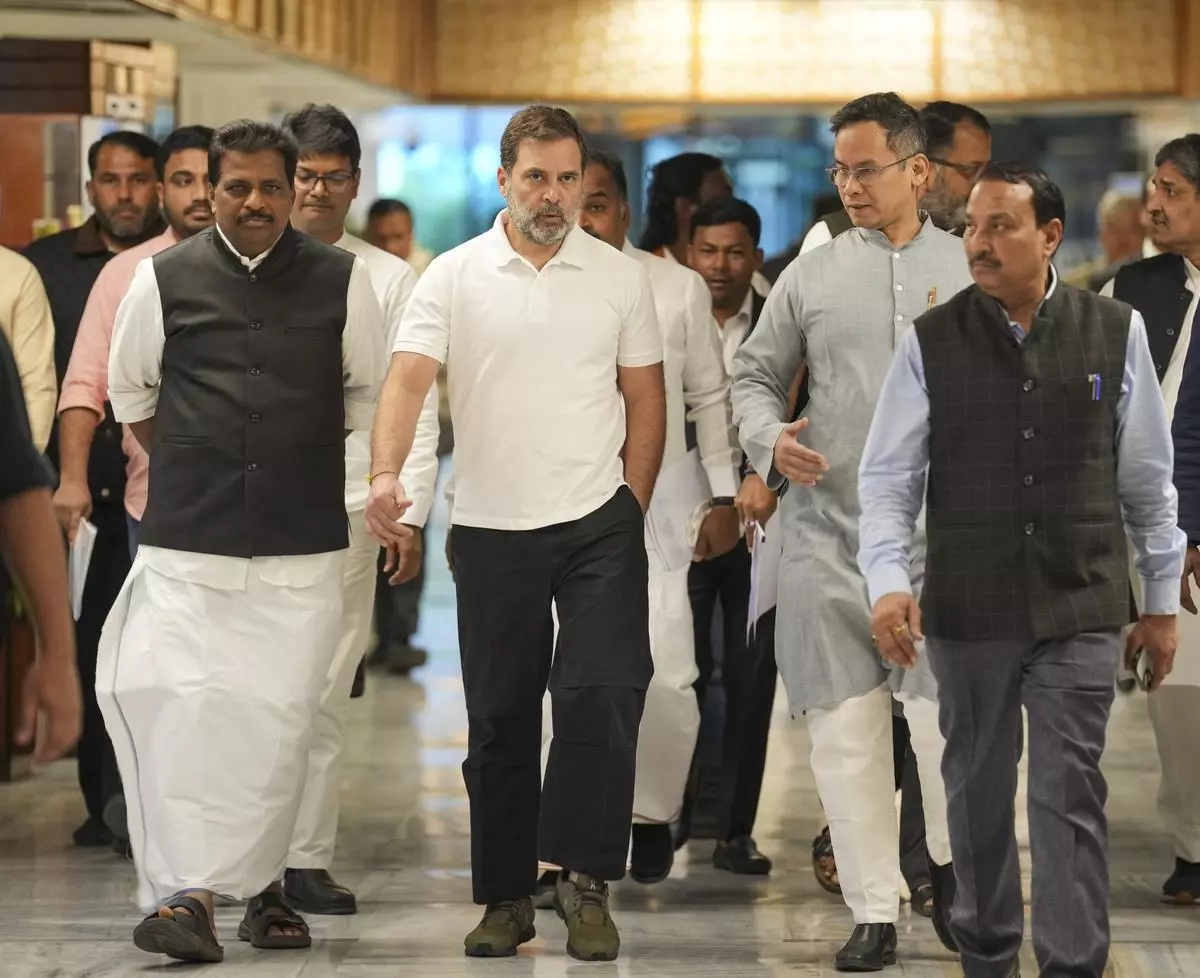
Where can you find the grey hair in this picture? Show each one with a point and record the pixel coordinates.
(1183, 154)
(899, 120)
(1113, 202)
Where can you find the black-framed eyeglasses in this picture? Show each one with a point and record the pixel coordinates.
(865, 175)
(968, 171)
(334, 182)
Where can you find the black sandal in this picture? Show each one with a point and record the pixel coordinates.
(268, 910)
(922, 900)
(182, 936)
(824, 864)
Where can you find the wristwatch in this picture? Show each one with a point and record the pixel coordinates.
(721, 501)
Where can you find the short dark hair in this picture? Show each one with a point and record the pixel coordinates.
(612, 163)
(136, 142)
(1183, 154)
(185, 137)
(321, 130)
(1047, 197)
(898, 119)
(541, 123)
(728, 210)
(248, 136)
(388, 205)
(677, 176)
(941, 119)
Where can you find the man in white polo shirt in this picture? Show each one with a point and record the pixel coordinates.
(556, 386)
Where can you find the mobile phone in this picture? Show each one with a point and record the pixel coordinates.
(1143, 669)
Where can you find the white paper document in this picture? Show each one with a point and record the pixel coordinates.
(681, 489)
(78, 561)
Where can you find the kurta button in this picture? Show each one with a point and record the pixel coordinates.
(255, 418)
(105, 493)
(252, 467)
(255, 372)
(255, 324)
(253, 277)
(1170, 332)
(1027, 433)
(1028, 480)
(899, 288)
(1029, 528)
(899, 319)
(1028, 386)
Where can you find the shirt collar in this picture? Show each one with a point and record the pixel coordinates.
(877, 237)
(249, 263)
(746, 312)
(1019, 330)
(1193, 273)
(570, 252)
(88, 240)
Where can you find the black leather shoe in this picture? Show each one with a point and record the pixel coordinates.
(1183, 886)
(314, 891)
(740, 855)
(92, 834)
(942, 880)
(871, 947)
(653, 853)
(359, 686)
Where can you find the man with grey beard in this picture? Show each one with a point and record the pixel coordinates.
(556, 387)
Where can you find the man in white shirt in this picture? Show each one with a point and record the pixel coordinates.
(327, 178)
(240, 359)
(556, 385)
(680, 520)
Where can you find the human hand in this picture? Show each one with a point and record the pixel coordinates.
(1158, 635)
(801, 466)
(404, 557)
(755, 503)
(51, 715)
(72, 505)
(719, 533)
(1191, 568)
(896, 627)
(386, 503)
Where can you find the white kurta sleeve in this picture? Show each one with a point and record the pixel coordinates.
(135, 357)
(400, 290)
(706, 392)
(364, 357)
(425, 326)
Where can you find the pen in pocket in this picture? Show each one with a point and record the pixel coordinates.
(1094, 380)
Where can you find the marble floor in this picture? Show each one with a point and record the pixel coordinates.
(404, 848)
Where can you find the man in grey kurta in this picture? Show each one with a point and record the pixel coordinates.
(841, 309)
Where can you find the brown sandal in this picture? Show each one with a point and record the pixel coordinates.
(182, 936)
(824, 864)
(268, 910)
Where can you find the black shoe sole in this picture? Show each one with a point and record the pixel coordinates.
(645, 880)
(322, 909)
(862, 967)
(728, 867)
(166, 936)
(488, 951)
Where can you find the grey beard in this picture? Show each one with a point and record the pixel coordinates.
(525, 221)
(946, 214)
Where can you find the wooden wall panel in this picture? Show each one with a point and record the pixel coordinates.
(22, 137)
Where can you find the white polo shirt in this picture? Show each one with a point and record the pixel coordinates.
(532, 363)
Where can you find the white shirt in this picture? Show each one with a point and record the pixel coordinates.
(733, 333)
(393, 281)
(532, 361)
(135, 376)
(819, 234)
(697, 382)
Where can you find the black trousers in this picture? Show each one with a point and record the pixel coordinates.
(914, 857)
(594, 573)
(748, 679)
(98, 777)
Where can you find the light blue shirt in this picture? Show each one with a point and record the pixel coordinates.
(892, 473)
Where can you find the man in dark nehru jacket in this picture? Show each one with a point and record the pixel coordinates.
(1035, 409)
(240, 358)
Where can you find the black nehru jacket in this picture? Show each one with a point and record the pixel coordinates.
(1157, 288)
(248, 458)
(1025, 534)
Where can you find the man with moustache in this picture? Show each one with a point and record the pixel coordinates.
(181, 166)
(700, 458)
(556, 385)
(1165, 289)
(327, 179)
(241, 358)
(841, 310)
(1031, 473)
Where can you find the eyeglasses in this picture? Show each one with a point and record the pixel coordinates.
(865, 175)
(968, 171)
(335, 182)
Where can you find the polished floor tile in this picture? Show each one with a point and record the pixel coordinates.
(404, 848)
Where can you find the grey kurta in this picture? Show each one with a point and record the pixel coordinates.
(840, 309)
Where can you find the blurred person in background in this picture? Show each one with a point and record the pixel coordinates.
(390, 228)
(1165, 289)
(327, 180)
(181, 168)
(28, 326)
(1119, 217)
(122, 190)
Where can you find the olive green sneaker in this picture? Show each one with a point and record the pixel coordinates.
(583, 905)
(506, 925)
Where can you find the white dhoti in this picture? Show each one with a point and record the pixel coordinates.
(671, 718)
(317, 821)
(209, 677)
(853, 766)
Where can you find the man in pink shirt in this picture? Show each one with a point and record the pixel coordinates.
(183, 189)
(182, 165)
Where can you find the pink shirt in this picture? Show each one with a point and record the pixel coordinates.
(85, 384)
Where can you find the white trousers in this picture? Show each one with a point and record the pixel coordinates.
(209, 693)
(671, 718)
(853, 766)
(1175, 713)
(316, 824)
